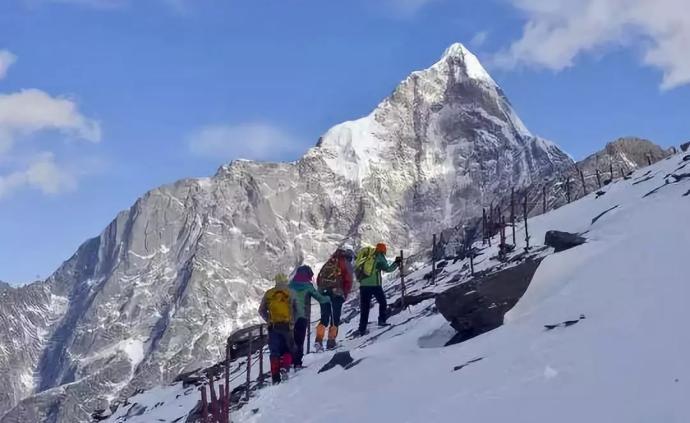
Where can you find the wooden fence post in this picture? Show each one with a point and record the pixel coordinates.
(584, 185)
(649, 159)
(598, 179)
(484, 226)
(472, 260)
(567, 188)
(433, 261)
(402, 281)
(261, 355)
(221, 403)
(249, 368)
(611, 170)
(204, 404)
(543, 199)
(226, 404)
(524, 213)
(512, 211)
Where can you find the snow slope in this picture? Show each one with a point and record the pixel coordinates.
(626, 361)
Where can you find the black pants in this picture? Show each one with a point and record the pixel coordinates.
(330, 312)
(365, 294)
(300, 333)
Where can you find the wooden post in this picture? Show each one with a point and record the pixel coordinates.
(484, 226)
(249, 368)
(567, 188)
(215, 403)
(221, 403)
(472, 260)
(261, 355)
(649, 159)
(512, 211)
(226, 405)
(433, 261)
(611, 170)
(524, 213)
(403, 301)
(204, 404)
(584, 185)
(598, 179)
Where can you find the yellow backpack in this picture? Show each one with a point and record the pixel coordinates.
(279, 305)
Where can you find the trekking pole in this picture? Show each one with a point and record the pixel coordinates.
(402, 281)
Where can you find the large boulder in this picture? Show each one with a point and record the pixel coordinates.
(561, 241)
(478, 306)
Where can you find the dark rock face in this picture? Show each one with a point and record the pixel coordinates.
(343, 359)
(561, 241)
(479, 305)
(685, 146)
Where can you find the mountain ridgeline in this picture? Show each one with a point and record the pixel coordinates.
(159, 290)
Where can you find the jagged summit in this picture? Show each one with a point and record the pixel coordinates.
(131, 309)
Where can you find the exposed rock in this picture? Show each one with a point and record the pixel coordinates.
(561, 241)
(159, 290)
(685, 146)
(342, 359)
(478, 306)
(686, 158)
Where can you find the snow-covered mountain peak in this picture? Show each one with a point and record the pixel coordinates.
(459, 54)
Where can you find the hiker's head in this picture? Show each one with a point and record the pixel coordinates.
(280, 278)
(381, 248)
(303, 274)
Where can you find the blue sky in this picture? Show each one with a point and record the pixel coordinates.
(101, 100)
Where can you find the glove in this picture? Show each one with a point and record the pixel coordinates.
(398, 260)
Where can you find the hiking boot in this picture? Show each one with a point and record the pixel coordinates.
(275, 379)
(299, 367)
(383, 324)
(330, 344)
(361, 333)
(318, 347)
(284, 375)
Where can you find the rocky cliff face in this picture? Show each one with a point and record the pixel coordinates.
(160, 289)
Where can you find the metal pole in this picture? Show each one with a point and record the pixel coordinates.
(472, 260)
(611, 170)
(309, 328)
(649, 159)
(567, 188)
(543, 199)
(402, 281)
(484, 226)
(433, 261)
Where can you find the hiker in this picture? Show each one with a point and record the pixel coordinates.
(278, 309)
(370, 263)
(334, 281)
(302, 289)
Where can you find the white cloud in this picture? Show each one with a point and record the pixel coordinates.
(43, 173)
(256, 141)
(408, 7)
(479, 39)
(558, 31)
(31, 110)
(7, 59)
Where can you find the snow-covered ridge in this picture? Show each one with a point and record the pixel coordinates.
(622, 357)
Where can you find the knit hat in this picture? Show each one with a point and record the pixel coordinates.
(303, 274)
(381, 248)
(280, 278)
